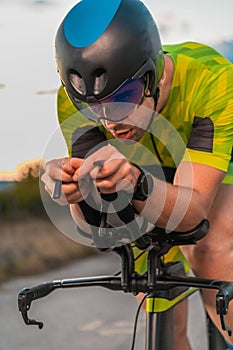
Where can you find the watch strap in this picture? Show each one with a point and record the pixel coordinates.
(140, 193)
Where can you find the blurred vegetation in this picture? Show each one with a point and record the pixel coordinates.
(21, 199)
(30, 243)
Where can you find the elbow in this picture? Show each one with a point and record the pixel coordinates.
(194, 215)
(187, 214)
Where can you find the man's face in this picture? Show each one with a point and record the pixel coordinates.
(126, 113)
(134, 126)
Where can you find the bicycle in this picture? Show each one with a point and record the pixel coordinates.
(164, 284)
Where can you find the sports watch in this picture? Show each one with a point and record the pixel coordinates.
(145, 185)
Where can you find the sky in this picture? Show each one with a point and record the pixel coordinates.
(28, 78)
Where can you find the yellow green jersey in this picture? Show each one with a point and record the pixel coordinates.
(200, 104)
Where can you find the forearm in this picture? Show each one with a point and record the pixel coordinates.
(79, 218)
(173, 207)
(86, 213)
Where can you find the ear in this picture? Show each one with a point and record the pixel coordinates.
(161, 83)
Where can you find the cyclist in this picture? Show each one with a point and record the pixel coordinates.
(118, 82)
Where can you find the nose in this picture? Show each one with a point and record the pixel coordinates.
(109, 125)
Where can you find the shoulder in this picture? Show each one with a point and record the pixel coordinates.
(198, 54)
(65, 108)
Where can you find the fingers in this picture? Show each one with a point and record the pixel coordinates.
(113, 176)
(76, 191)
(49, 187)
(109, 170)
(63, 169)
(59, 183)
(106, 169)
(75, 163)
(104, 154)
(69, 167)
(114, 184)
(54, 168)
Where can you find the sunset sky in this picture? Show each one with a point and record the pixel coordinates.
(28, 75)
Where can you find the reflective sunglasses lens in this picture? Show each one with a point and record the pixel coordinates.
(121, 103)
(130, 92)
(115, 107)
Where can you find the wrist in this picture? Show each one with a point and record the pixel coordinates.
(144, 185)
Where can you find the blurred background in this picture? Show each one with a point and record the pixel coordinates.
(28, 84)
(29, 242)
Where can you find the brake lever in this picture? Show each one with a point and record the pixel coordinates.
(223, 298)
(25, 299)
(222, 310)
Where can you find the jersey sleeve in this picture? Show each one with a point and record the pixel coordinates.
(74, 126)
(211, 138)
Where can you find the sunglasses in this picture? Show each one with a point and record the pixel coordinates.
(115, 107)
(122, 102)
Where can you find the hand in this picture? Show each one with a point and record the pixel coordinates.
(114, 175)
(63, 170)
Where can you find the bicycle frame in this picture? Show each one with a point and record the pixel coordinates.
(165, 286)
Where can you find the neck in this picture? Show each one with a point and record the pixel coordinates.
(165, 84)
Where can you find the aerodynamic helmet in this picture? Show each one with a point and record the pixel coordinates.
(100, 44)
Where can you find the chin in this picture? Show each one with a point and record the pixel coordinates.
(126, 141)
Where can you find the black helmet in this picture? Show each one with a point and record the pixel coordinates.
(102, 43)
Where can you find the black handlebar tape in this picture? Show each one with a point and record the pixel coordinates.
(42, 290)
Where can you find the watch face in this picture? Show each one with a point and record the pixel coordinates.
(147, 185)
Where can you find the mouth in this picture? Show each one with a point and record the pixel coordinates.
(123, 134)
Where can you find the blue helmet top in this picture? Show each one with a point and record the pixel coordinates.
(88, 20)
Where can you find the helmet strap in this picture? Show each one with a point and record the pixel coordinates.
(156, 97)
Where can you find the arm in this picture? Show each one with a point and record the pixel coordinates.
(178, 206)
(183, 204)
